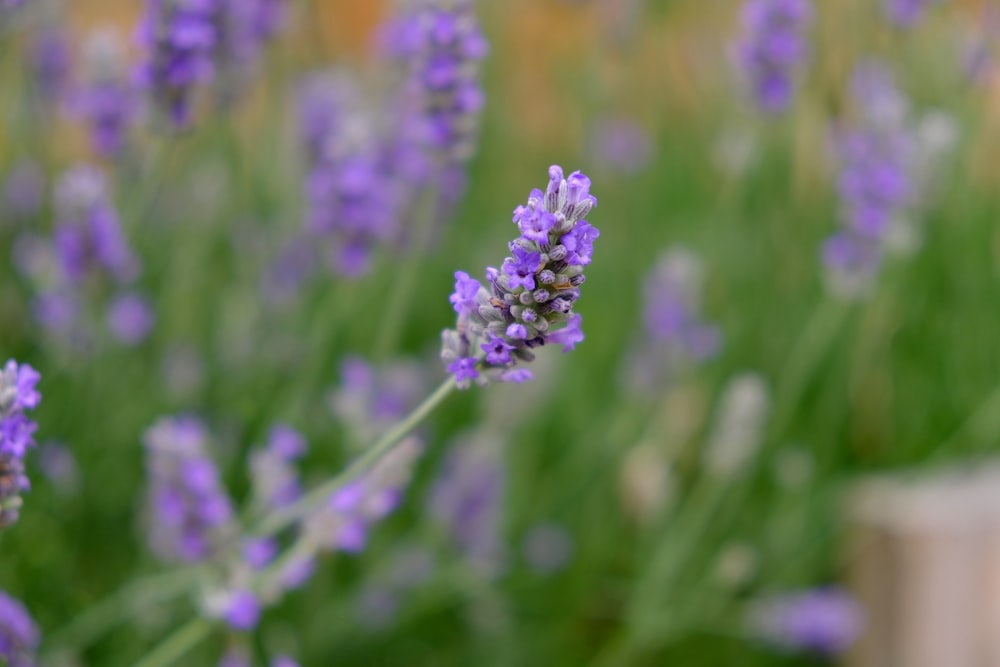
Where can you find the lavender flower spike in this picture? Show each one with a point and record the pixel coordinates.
(178, 37)
(19, 635)
(824, 621)
(17, 394)
(772, 48)
(189, 508)
(107, 102)
(88, 238)
(521, 307)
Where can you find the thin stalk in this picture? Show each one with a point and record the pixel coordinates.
(405, 282)
(121, 606)
(285, 517)
(176, 645)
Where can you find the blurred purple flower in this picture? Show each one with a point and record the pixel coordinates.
(620, 145)
(468, 500)
(50, 61)
(130, 318)
(273, 475)
(177, 37)
(18, 393)
(886, 160)
(773, 48)
(87, 236)
(343, 523)
(189, 508)
(346, 196)
(370, 400)
(19, 636)
(59, 465)
(106, 101)
(825, 620)
(242, 610)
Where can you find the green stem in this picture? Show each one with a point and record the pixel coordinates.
(177, 644)
(121, 606)
(405, 281)
(281, 519)
(810, 348)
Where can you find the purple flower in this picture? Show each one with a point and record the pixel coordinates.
(885, 160)
(258, 553)
(536, 290)
(189, 509)
(344, 522)
(497, 351)
(19, 636)
(579, 243)
(569, 335)
(620, 145)
(522, 267)
(178, 37)
(242, 611)
(18, 393)
(50, 60)
(535, 225)
(88, 238)
(130, 318)
(106, 103)
(464, 297)
(468, 500)
(370, 400)
(464, 370)
(273, 476)
(773, 48)
(347, 207)
(283, 661)
(825, 620)
(675, 334)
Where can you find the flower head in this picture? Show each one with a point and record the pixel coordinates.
(19, 635)
(773, 48)
(521, 306)
(178, 37)
(188, 505)
(18, 393)
(822, 620)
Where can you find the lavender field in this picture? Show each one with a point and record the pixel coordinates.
(543, 332)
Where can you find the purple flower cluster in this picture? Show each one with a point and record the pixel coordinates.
(884, 161)
(273, 475)
(468, 500)
(531, 294)
(441, 45)
(49, 60)
(672, 302)
(19, 637)
(344, 522)
(241, 27)
(18, 393)
(370, 400)
(907, 13)
(189, 509)
(178, 37)
(773, 47)
(88, 237)
(675, 337)
(824, 620)
(106, 102)
(346, 200)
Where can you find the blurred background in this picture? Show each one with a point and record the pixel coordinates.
(773, 448)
